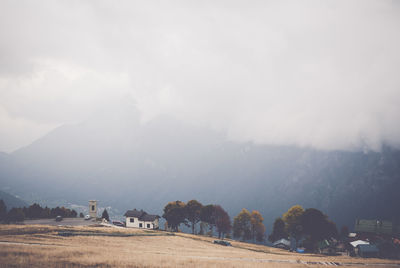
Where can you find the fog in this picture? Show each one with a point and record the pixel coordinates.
(321, 74)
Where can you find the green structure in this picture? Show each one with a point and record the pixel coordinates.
(376, 227)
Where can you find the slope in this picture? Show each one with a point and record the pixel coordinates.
(114, 158)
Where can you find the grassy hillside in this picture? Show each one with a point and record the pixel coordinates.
(41, 246)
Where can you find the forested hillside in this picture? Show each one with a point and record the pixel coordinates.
(145, 165)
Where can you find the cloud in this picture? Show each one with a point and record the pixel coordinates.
(310, 73)
(15, 132)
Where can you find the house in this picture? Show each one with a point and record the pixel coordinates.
(367, 251)
(376, 227)
(359, 242)
(140, 219)
(352, 235)
(282, 243)
(354, 247)
(327, 247)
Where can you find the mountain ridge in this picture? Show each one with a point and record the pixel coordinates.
(145, 165)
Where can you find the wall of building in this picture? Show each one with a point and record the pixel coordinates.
(93, 212)
(134, 224)
(144, 224)
(155, 224)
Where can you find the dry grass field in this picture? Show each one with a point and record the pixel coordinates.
(42, 246)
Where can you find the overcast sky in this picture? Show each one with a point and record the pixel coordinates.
(324, 74)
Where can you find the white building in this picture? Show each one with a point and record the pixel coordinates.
(140, 219)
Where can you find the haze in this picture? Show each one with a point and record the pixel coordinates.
(321, 74)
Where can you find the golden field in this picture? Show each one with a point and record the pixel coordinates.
(42, 246)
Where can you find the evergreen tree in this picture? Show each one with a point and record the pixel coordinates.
(15, 215)
(46, 213)
(105, 215)
(3, 210)
(74, 214)
(33, 211)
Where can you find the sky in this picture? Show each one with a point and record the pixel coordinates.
(320, 74)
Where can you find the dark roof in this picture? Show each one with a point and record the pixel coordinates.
(148, 217)
(141, 215)
(134, 213)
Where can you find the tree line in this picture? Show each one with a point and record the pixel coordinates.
(34, 211)
(249, 226)
(246, 225)
(310, 225)
(191, 213)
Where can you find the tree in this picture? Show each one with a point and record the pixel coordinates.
(242, 225)
(105, 215)
(222, 221)
(46, 213)
(81, 215)
(207, 215)
(193, 209)
(292, 219)
(344, 232)
(314, 224)
(15, 215)
(278, 230)
(34, 211)
(62, 211)
(174, 213)
(73, 213)
(257, 226)
(3, 210)
(316, 227)
(332, 229)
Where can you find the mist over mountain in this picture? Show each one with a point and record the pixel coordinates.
(125, 163)
(11, 201)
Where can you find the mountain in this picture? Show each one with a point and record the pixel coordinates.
(12, 201)
(126, 164)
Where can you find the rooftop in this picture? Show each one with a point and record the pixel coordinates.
(141, 215)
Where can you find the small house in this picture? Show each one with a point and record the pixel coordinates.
(282, 243)
(367, 251)
(141, 219)
(382, 227)
(359, 242)
(327, 247)
(352, 235)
